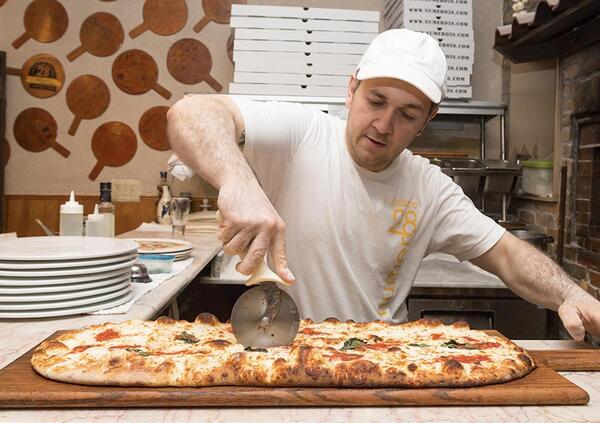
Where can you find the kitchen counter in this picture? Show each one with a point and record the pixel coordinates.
(440, 270)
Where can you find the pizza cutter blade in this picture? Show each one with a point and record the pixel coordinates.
(265, 316)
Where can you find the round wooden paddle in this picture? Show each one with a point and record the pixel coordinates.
(153, 128)
(42, 75)
(87, 97)
(35, 130)
(135, 72)
(101, 34)
(163, 17)
(113, 144)
(189, 62)
(218, 11)
(45, 21)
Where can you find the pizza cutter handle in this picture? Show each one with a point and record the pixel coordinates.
(21, 40)
(60, 149)
(262, 273)
(13, 71)
(202, 23)
(74, 125)
(96, 171)
(162, 90)
(76, 53)
(138, 30)
(214, 84)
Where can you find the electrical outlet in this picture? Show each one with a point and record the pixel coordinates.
(126, 190)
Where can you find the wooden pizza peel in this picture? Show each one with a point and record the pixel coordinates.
(35, 130)
(163, 17)
(153, 128)
(45, 21)
(87, 97)
(113, 144)
(22, 387)
(189, 62)
(42, 75)
(135, 72)
(101, 35)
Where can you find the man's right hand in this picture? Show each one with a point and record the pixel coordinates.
(249, 224)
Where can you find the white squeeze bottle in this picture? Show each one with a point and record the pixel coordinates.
(96, 224)
(71, 218)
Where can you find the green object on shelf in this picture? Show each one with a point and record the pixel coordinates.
(538, 164)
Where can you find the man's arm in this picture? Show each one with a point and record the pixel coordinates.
(535, 277)
(204, 131)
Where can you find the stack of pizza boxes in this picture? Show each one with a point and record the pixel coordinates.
(298, 51)
(450, 22)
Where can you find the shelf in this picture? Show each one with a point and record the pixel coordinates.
(535, 198)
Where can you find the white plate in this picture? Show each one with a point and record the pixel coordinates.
(178, 247)
(40, 289)
(46, 305)
(69, 271)
(59, 280)
(67, 311)
(49, 264)
(182, 257)
(64, 248)
(57, 296)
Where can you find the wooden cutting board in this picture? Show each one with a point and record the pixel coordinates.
(568, 360)
(22, 387)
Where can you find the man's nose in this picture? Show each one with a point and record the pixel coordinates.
(383, 122)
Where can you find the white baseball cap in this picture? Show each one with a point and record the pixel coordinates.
(410, 56)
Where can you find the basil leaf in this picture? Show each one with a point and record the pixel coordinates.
(352, 343)
(187, 338)
(452, 344)
(140, 352)
(255, 349)
(418, 345)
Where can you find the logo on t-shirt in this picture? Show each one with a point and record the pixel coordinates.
(404, 225)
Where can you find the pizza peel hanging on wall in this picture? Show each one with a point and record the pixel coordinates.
(113, 144)
(42, 75)
(189, 61)
(135, 72)
(35, 130)
(163, 17)
(87, 97)
(101, 35)
(153, 128)
(45, 21)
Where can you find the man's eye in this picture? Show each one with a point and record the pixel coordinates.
(406, 116)
(375, 103)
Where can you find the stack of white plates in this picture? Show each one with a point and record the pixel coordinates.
(174, 247)
(59, 276)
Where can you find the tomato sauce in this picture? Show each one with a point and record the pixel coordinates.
(309, 331)
(435, 336)
(107, 334)
(81, 348)
(470, 358)
(343, 356)
(487, 345)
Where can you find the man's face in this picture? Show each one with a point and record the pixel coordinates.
(385, 115)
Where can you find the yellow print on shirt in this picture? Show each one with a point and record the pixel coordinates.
(404, 225)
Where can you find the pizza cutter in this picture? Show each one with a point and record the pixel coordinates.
(264, 316)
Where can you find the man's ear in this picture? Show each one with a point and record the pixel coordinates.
(352, 87)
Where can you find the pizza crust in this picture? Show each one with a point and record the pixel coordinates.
(166, 352)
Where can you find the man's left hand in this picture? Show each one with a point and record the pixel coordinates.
(580, 313)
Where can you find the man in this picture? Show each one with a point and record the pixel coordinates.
(346, 206)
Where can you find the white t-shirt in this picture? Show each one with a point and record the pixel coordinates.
(355, 239)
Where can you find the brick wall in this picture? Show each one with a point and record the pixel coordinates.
(579, 76)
